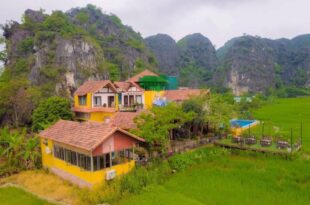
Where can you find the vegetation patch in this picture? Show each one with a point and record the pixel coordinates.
(13, 195)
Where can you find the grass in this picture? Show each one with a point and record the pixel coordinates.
(283, 115)
(13, 195)
(44, 184)
(245, 179)
(233, 180)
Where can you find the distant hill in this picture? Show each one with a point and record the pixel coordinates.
(193, 58)
(254, 64)
(166, 51)
(244, 64)
(58, 52)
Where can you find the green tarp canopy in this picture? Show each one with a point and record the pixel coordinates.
(153, 82)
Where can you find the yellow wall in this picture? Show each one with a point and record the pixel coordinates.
(100, 116)
(149, 97)
(95, 116)
(88, 101)
(49, 161)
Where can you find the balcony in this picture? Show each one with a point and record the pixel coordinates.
(130, 108)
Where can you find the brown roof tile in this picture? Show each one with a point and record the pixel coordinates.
(125, 120)
(140, 75)
(93, 86)
(124, 86)
(84, 135)
(181, 95)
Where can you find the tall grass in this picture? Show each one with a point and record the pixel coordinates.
(233, 179)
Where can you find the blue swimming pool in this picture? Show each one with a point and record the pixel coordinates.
(241, 123)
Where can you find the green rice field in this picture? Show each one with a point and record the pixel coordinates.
(245, 179)
(233, 180)
(16, 196)
(284, 114)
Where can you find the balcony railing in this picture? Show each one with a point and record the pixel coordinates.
(130, 108)
(105, 105)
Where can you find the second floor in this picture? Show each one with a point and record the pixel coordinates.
(107, 96)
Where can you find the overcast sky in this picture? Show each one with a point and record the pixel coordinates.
(219, 20)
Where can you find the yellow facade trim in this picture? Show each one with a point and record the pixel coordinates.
(95, 177)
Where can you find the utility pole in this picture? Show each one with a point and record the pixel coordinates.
(291, 140)
(263, 129)
(300, 134)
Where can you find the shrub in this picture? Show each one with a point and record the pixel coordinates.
(116, 20)
(25, 45)
(82, 17)
(21, 66)
(18, 150)
(181, 162)
(49, 111)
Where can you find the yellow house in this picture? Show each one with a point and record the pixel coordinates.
(100, 100)
(95, 100)
(88, 153)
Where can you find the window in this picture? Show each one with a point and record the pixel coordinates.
(84, 161)
(97, 101)
(111, 101)
(81, 115)
(72, 157)
(139, 99)
(82, 100)
(99, 162)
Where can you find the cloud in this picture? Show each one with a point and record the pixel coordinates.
(220, 20)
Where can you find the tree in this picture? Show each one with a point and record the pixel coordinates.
(218, 111)
(17, 100)
(3, 53)
(19, 150)
(196, 105)
(49, 111)
(156, 126)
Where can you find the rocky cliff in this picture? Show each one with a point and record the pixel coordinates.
(254, 64)
(166, 52)
(60, 51)
(193, 58)
(56, 53)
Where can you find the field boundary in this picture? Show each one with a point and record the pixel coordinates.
(231, 146)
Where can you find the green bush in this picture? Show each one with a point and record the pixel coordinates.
(134, 43)
(49, 111)
(26, 45)
(43, 36)
(19, 151)
(82, 17)
(116, 20)
(181, 162)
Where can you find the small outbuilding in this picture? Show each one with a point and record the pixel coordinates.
(87, 153)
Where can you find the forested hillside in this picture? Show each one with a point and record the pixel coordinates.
(53, 54)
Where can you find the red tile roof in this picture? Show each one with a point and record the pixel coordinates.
(124, 86)
(84, 135)
(95, 109)
(140, 75)
(125, 120)
(181, 95)
(93, 86)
